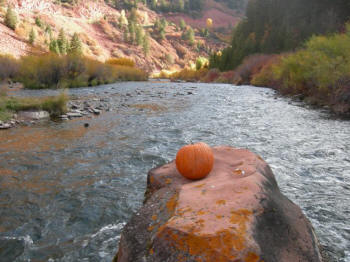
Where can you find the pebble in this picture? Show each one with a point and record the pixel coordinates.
(5, 126)
(74, 114)
(96, 111)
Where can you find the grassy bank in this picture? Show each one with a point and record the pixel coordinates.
(54, 71)
(319, 73)
(54, 105)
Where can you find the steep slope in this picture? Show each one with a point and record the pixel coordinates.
(98, 26)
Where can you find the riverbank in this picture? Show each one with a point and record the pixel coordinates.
(19, 110)
(51, 71)
(318, 74)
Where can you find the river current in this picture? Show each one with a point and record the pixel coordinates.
(66, 191)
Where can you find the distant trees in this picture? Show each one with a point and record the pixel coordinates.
(62, 46)
(159, 28)
(11, 18)
(274, 26)
(186, 6)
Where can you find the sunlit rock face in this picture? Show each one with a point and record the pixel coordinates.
(236, 213)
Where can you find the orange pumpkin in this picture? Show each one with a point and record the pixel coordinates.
(195, 161)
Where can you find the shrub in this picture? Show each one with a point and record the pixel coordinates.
(250, 66)
(11, 18)
(38, 22)
(54, 71)
(9, 67)
(190, 74)
(202, 62)
(32, 37)
(320, 72)
(121, 61)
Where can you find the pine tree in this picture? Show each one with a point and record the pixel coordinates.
(191, 36)
(54, 47)
(11, 18)
(75, 45)
(182, 24)
(32, 37)
(139, 35)
(62, 42)
(146, 44)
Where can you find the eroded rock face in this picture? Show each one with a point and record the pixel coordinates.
(236, 213)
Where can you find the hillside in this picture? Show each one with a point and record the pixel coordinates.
(99, 27)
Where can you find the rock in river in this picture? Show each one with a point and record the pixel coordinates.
(237, 213)
(33, 115)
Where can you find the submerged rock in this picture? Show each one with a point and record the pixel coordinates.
(237, 213)
(10, 249)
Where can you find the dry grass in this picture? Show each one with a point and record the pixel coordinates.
(56, 105)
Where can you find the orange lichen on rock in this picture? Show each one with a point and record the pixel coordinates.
(186, 234)
(171, 204)
(154, 217)
(251, 257)
(168, 181)
(221, 202)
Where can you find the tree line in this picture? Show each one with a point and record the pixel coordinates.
(275, 26)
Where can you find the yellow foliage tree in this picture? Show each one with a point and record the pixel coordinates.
(209, 23)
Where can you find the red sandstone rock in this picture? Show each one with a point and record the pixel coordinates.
(236, 213)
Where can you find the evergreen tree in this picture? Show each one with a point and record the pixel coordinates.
(146, 44)
(32, 37)
(38, 22)
(54, 47)
(10, 18)
(132, 32)
(139, 35)
(48, 30)
(62, 42)
(182, 24)
(162, 34)
(181, 5)
(75, 45)
(191, 36)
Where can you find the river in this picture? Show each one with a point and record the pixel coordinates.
(66, 191)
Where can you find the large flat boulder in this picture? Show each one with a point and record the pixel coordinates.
(237, 213)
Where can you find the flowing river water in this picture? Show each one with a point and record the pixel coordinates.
(66, 191)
